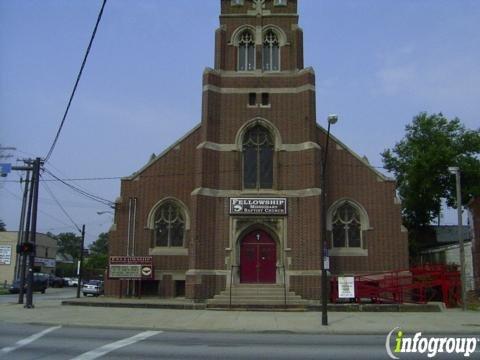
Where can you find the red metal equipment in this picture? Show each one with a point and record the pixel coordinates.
(417, 285)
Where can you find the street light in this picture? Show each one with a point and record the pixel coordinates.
(104, 212)
(332, 119)
(456, 171)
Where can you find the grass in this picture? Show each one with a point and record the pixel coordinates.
(3, 291)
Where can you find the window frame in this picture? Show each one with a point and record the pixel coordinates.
(247, 46)
(362, 250)
(183, 216)
(270, 49)
(258, 150)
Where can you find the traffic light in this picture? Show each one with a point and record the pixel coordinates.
(26, 248)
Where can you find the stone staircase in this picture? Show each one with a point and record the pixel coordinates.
(257, 296)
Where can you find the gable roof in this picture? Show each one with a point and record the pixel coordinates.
(358, 157)
(162, 154)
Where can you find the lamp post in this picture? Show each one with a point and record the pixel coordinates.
(332, 119)
(456, 171)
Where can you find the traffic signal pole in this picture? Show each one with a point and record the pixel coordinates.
(33, 234)
(80, 268)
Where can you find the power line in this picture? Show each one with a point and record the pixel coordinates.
(45, 185)
(76, 82)
(83, 192)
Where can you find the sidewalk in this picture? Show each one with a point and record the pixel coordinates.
(53, 313)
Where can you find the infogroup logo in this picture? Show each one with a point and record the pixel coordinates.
(429, 346)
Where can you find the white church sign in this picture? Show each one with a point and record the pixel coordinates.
(258, 206)
(346, 287)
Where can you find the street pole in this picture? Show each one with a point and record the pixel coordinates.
(19, 258)
(31, 262)
(455, 170)
(332, 119)
(26, 237)
(80, 270)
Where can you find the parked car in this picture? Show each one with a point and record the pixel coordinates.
(93, 287)
(40, 283)
(55, 281)
(73, 282)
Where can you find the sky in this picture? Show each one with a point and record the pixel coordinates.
(378, 63)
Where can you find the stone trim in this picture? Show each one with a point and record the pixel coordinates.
(252, 13)
(259, 72)
(308, 145)
(342, 146)
(168, 251)
(217, 147)
(291, 90)
(348, 252)
(206, 272)
(136, 174)
(233, 193)
(303, 272)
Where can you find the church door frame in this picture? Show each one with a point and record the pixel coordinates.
(258, 258)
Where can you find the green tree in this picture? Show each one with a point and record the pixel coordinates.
(97, 261)
(100, 246)
(420, 162)
(69, 243)
(3, 227)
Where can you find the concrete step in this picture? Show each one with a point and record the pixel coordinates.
(257, 302)
(240, 298)
(254, 295)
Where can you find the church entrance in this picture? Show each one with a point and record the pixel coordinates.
(258, 258)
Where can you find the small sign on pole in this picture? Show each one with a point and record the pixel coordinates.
(346, 287)
(5, 169)
(5, 254)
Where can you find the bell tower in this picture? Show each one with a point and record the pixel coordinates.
(259, 36)
(258, 134)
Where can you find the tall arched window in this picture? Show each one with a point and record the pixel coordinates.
(257, 158)
(271, 52)
(169, 225)
(346, 227)
(246, 51)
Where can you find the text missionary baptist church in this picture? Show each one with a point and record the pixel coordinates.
(237, 200)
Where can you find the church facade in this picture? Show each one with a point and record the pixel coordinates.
(238, 200)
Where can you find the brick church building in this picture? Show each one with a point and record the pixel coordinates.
(237, 200)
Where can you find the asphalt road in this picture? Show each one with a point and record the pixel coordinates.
(50, 294)
(83, 343)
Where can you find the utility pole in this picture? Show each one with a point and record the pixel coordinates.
(26, 234)
(18, 263)
(33, 236)
(456, 170)
(80, 268)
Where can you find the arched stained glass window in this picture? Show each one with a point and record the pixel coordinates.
(257, 158)
(246, 51)
(271, 52)
(346, 227)
(169, 225)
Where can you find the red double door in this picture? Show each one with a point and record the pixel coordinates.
(258, 257)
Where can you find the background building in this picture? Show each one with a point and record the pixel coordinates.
(237, 200)
(46, 251)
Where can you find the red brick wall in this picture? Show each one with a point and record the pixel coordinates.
(185, 168)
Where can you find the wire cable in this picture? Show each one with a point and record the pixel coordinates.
(76, 83)
(81, 191)
(45, 185)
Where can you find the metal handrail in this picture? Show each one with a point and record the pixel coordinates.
(231, 282)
